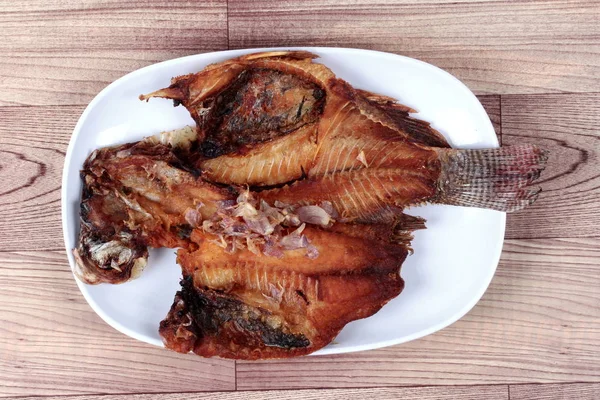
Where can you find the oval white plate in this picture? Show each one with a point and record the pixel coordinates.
(455, 257)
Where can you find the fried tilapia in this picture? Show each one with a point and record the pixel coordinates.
(247, 307)
(285, 202)
(279, 118)
(270, 118)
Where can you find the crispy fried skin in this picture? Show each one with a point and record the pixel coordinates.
(361, 151)
(137, 195)
(244, 307)
(270, 118)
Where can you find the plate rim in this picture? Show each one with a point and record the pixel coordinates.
(329, 349)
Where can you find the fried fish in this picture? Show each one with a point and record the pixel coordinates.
(285, 203)
(279, 118)
(247, 307)
(139, 195)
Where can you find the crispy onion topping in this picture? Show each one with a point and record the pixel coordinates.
(247, 223)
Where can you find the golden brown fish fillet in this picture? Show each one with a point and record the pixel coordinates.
(246, 307)
(277, 117)
(265, 118)
(399, 174)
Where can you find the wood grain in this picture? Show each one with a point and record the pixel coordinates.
(491, 104)
(65, 52)
(498, 392)
(579, 391)
(568, 125)
(52, 343)
(33, 142)
(493, 46)
(538, 322)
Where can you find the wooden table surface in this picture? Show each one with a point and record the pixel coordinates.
(536, 66)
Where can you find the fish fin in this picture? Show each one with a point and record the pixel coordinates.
(405, 222)
(295, 54)
(383, 215)
(498, 178)
(420, 131)
(404, 226)
(385, 100)
(389, 112)
(192, 89)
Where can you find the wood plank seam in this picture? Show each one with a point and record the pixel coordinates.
(563, 391)
(537, 54)
(227, 22)
(448, 392)
(500, 124)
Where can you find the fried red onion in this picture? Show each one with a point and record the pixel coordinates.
(261, 228)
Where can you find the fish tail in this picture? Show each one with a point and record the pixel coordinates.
(498, 179)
